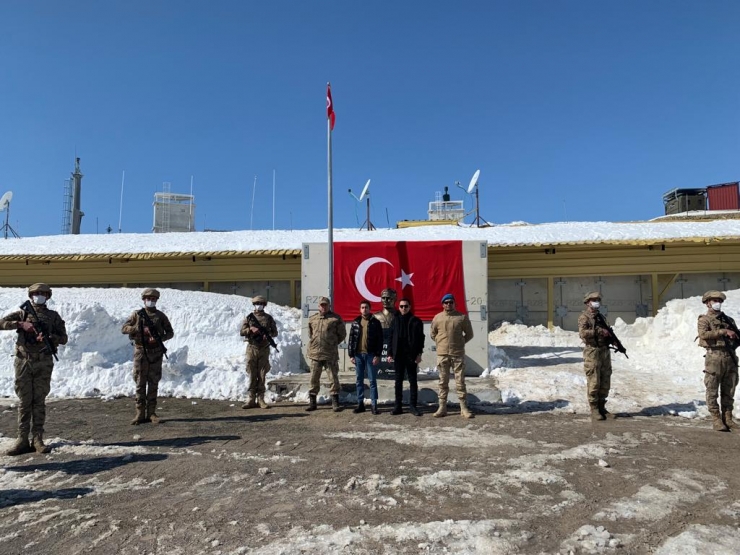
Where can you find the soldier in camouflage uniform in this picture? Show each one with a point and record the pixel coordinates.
(258, 351)
(718, 336)
(326, 330)
(597, 360)
(33, 366)
(148, 354)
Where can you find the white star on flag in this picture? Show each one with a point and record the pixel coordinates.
(405, 279)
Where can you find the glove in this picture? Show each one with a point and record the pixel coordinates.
(27, 327)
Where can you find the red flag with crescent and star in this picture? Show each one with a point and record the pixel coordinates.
(330, 107)
(421, 271)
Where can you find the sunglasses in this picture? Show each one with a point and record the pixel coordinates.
(448, 302)
(403, 306)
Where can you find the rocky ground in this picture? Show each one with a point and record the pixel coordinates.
(213, 478)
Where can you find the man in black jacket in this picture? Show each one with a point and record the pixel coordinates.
(406, 348)
(364, 348)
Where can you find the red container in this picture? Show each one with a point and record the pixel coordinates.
(724, 196)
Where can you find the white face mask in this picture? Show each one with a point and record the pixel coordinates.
(259, 307)
(717, 306)
(594, 304)
(38, 299)
(150, 304)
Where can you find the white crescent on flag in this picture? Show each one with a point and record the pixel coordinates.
(360, 277)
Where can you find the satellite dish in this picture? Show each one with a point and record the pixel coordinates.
(473, 181)
(364, 190)
(5, 200)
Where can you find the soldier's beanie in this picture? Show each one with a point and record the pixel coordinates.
(713, 295)
(448, 297)
(259, 299)
(150, 293)
(40, 288)
(593, 295)
(324, 300)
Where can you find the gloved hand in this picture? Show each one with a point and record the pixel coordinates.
(27, 327)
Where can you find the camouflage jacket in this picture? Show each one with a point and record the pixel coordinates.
(451, 331)
(27, 341)
(325, 333)
(135, 323)
(588, 330)
(711, 332)
(258, 339)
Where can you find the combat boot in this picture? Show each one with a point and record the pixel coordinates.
(335, 406)
(20, 447)
(251, 403)
(311, 403)
(464, 410)
(262, 403)
(140, 415)
(39, 445)
(596, 413)
(442, 410)
(605, 413)
(717, 424)
(151, 413)
(729, 422)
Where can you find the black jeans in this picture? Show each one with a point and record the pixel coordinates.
(406, 368)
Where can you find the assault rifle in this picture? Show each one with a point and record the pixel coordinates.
(144, 318)
(616, 344)
(732, 344)
(252, 321)
(41, 328)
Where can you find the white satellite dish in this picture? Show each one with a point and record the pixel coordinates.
(473, 181)
(5, 200)
(364, 190)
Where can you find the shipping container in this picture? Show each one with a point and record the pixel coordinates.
(724, 196)
(684, 200)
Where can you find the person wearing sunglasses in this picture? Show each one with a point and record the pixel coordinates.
(451, 330)
(406, 349)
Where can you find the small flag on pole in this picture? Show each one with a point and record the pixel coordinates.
(330, 107)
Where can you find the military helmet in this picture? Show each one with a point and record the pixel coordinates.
(40, 288)
(150, 292)
(389, 293)
(259, 299)
(713, 295)
(591, 296)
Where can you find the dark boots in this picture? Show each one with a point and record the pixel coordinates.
(397, 408)
(374, 408)
(335, 403)
(605, 413)
(20, 447)
(311, 403)
(360, 407)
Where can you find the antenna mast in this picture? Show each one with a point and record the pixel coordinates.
(5, 205)
(365, 194)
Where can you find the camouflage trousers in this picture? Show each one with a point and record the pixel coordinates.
(258, 365)
(32, 385)
(720, 379)
(332, 368)
(597, 363)
(445, 365)
(147, 373)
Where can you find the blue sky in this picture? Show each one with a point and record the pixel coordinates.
(572, 110)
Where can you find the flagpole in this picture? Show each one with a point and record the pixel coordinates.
(331, 213)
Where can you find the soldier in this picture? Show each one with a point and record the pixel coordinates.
(257, 328)
(148, 328)
(597, 359)
(718, 335)
(364, 348)
(326, 331)
(39, 335)
(451, 330)
(406, 349)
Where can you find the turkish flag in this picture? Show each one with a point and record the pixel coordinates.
(330, 107)
(421, 271)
